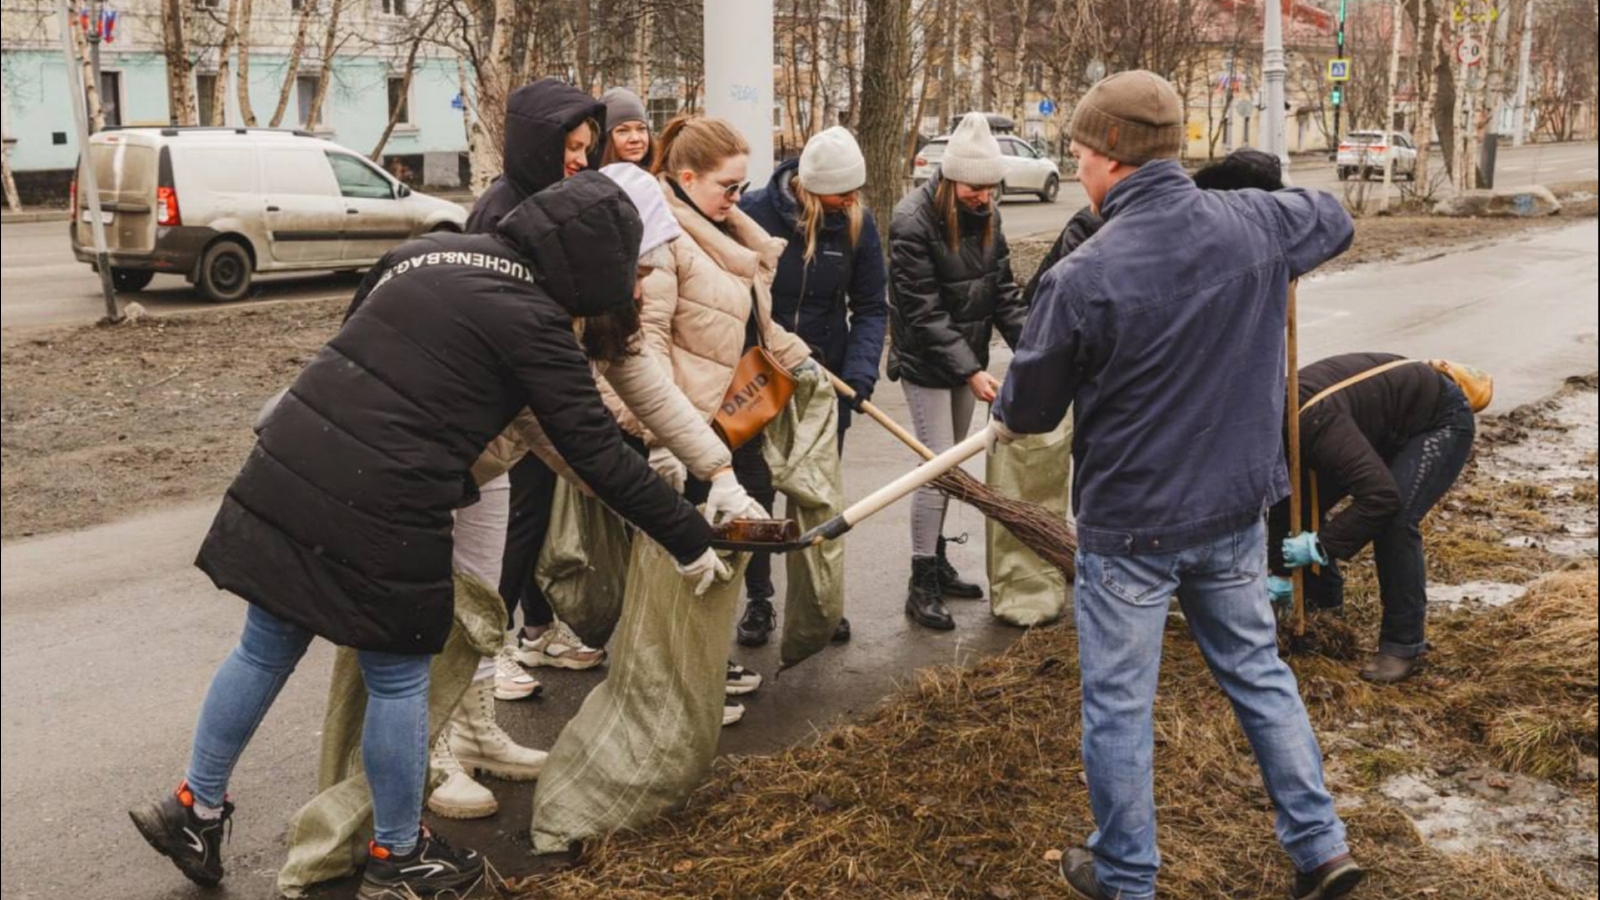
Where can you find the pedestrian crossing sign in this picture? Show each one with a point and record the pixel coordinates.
(1338, 70)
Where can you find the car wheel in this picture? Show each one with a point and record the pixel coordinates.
(225, 272)
(1344, 174)
(131, 281)
(1052, 187)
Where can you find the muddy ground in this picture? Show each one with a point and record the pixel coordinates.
(1473, 781)
(97, 423)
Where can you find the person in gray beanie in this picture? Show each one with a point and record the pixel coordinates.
(1165, 334)
(628, 137)
(950, 288)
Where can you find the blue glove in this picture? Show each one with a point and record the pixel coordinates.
(1303, 550)
(1279, 590)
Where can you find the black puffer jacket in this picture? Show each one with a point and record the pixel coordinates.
(944, 306)
(340, 520)
(1082, 226)
(538, 117)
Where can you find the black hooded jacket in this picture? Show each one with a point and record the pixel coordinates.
(538, 117)
(340, 520)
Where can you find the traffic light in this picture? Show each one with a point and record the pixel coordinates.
(1338, 97)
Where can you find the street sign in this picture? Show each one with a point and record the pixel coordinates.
(1047, 107)
(1338, 70)
(457, 103)
(1244, 109)
(1470, 51)
(1094, 71)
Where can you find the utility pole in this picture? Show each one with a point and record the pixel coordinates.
(1396, 29)
(91, 33)
(1273, 138)
(738, 60)
(89, 186)
(1338, 89)
(1519, 113)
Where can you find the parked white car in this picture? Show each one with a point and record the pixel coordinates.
(1027, 172)
(217, 205)
(1365, 153)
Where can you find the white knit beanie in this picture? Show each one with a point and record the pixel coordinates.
(973, 155)
(832, 163)
(660, 225)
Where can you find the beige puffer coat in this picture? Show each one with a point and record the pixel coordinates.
(695, 309)
(640, 385)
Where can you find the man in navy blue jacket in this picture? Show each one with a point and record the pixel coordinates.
(1165, 332)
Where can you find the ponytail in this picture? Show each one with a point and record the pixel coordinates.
(696, 143)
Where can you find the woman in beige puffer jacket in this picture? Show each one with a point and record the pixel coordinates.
(712, 303)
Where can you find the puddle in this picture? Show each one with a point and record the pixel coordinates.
(1475, 594)
(1482, 809)
(1554, 448)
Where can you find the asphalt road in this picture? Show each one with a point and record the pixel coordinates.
(108, 636)
(41, 284)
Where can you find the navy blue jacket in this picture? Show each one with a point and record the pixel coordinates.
(843, 322)
(1165, 332)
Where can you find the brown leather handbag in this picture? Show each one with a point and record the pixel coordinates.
(761, 388)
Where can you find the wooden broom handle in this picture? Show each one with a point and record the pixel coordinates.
(1292, 410)
(882, 418)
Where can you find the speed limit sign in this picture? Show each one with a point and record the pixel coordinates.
(1470, 51)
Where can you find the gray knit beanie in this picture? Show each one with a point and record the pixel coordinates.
(831, 163)
(1132, 117)
(973, 155)
(622, 105)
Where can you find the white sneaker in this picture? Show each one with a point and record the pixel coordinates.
(732, 711)
(741, 681)
(558, 648)
(511, 681)
(483, 747)
(458, 796)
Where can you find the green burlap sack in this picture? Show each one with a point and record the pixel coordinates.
(1024, 589)
(328, 837)
(646, 737)
(584, 563)
(802, 450)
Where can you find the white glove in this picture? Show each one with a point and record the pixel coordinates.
(708, 568)
(669, 468)
(728, 500)
(999, 435)
(807, 366)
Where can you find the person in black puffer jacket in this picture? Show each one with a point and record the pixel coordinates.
(829, 287)
(950, 287)
(339, 524)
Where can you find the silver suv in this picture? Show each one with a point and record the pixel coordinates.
(217, 205)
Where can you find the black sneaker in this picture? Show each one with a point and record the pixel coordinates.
(756, 625)
(193, 844)
(841, 635)
(1334, 878)
(433, 869)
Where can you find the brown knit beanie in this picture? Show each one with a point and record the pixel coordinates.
(1132, 117)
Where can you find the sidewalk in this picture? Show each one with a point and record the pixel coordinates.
(34, 214)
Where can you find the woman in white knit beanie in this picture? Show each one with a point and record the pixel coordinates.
(950, 287)
(829, 284)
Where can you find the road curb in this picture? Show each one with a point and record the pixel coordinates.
(38, 215)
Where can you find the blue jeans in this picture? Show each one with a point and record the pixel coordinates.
(1121, 607)
(394, 739)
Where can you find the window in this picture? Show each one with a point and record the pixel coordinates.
(398, 101)
(305, 90)
(393, 7)
(359, 180)
(1023, 150)
(1008, 148)
(111, 97)
(205, 89)
(662, 109)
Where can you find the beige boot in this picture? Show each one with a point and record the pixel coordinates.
(480, 743)
(458, 797)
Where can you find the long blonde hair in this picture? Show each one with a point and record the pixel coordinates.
(812, 213)
(948, 207)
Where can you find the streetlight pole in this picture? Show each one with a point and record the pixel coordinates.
(91, 33)
(738, 60)
(1274, 139)
(1338, 92)
(1519, 114)
(1394, 85)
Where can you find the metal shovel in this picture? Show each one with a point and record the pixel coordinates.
(778, 536)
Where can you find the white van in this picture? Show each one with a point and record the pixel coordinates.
(217, 205)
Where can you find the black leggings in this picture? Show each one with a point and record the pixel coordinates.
(754, 476)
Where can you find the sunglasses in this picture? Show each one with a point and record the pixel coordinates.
(735, 191)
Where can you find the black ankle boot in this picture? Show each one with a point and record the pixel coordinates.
(757, 623)
(923, 603)
(950, 582)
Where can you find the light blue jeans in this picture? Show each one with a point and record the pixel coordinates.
(394, 738)
(1121, 607)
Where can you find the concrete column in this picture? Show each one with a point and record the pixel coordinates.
(738, 54)
(1274, 72)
